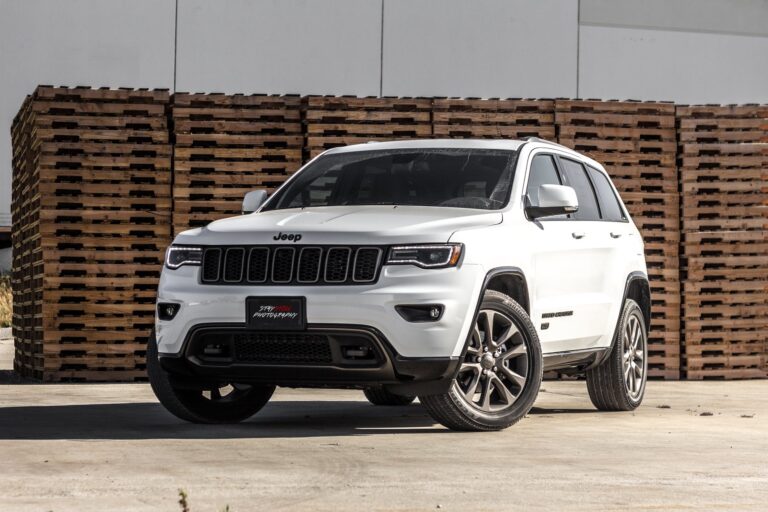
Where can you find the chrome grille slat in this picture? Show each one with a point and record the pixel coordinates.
(282, 264)
(337, 264)
(367, 260)
(211, 264)
(309, 265)
(233, 264)
(258, 264)
(291, 265)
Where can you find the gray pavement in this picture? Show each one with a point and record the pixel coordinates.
(691, 446)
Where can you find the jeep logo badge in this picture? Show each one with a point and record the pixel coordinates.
(292, 237)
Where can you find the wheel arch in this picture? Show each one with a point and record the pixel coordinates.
(511, 282)
(638, 289)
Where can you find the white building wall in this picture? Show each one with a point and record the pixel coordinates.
(279, 46)
(486, 48)
(689, 51)
(118, 43)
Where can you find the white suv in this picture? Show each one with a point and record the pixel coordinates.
(453, 270)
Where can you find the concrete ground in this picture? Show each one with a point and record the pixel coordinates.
(691, 446)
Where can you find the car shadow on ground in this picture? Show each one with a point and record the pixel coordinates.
(279, 419)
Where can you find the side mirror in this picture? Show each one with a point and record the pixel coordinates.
(554, 200)
(253, 200)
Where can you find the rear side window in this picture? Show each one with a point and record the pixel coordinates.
(576, 177)
(609, 203)
(543, 171)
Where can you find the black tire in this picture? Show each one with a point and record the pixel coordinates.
(379, 396)
(455, 409)
(192, 405)
(608, 388)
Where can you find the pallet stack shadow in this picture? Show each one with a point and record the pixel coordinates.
(635, 141)
(724, 179)
(332, 121)
(228, 145)
(91, 219)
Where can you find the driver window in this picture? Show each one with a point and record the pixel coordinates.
(543, 171)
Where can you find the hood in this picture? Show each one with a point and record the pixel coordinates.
(349, 225)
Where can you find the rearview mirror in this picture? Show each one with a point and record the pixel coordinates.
(253, 200)
(554, 200)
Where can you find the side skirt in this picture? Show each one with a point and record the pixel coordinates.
(575, 360)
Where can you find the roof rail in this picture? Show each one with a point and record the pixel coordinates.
(539, 139)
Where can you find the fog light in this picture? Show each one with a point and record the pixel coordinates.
(215, 349)
(421, 313)
(167, 310)
(357, 353)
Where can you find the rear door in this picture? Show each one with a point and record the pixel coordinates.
(619, 233)
(596, 261)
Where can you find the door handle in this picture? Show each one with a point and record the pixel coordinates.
(615, 235)
(577, 234)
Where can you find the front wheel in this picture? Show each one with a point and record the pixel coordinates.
(500, 374)
(221, 403)
(618, 383)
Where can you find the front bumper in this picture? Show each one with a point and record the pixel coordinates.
(458, 289)
(323, 355)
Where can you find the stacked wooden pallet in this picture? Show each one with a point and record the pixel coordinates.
(332, 121)
(724, 176)
(91, 220)
(493, 118)
(635, 141)
(228, 145)
(27, 257)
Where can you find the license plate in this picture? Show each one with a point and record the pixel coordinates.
(276, 313)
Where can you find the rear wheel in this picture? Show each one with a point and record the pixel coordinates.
(618, 384)
(384, 397)
(220, 403)
(500, 375)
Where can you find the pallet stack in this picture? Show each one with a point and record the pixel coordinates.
(27, 258)
(228, 145)
(493, 118)
(332, 121)
(91, 220)
(635, 141)
(724, 177)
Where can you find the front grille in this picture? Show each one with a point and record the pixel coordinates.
(337, 264)
(291, 265)
(282, 348)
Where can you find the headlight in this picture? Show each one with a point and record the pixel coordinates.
(426, 256)
(178, 255)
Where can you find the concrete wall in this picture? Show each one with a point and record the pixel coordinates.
(711, 51)
(688, 51)
(488, 48)
(115, 43)
(279, 46)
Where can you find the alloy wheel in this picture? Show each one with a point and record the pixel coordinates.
(634, 360)
(226, 393)
(495, 369)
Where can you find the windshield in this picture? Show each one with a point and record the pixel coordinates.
(458, 178)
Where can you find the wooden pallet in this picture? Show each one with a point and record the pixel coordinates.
(332, 121)
(635, 142)
(723, 173)
(227, 146)
(91, 216)
(493, 118)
